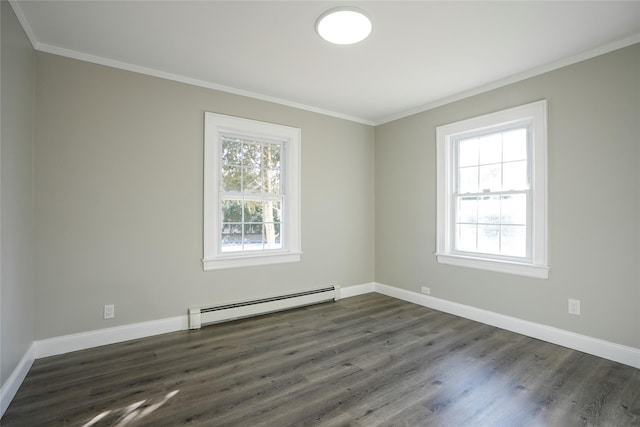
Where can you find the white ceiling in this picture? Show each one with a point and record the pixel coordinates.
(419, 55)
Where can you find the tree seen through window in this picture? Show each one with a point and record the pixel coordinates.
(250, 194)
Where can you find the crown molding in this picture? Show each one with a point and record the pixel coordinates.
(592, 53)
(43, 47)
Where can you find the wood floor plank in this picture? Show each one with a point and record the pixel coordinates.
(369, 360)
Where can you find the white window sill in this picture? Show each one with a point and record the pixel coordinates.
(247, 260)
(521, 269)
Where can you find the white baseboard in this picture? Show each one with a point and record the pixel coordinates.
(85, 340)
(597, 347)
(352, 291)
(90, 339)
(13, 383)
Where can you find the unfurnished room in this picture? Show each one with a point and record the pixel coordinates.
(290, 213)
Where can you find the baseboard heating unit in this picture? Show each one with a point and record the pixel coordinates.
(199, 316)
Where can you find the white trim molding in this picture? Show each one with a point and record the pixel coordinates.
(530, 118)
(13, 383)
(85, 340)
(352, 291)
(218, 127)
(597, 347)
(515, 78)
(520, 269)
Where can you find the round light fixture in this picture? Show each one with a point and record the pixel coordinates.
(344, 25)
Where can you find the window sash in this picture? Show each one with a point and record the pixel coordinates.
(243, 222)
(262, 142)
(483, 194)
(245, 196)
(499, 223)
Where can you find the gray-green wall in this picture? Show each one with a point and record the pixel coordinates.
(16, 195)
(118, 190)
(116, 172)
(594, 202)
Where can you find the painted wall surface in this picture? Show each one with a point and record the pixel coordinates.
(594, 202)
(119, 181)
(16, 195)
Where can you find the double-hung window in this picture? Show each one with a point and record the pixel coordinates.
(492, 192)
(251, 185)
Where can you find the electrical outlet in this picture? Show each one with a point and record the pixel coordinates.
(109, 311)
(574, 306)
(426, 290)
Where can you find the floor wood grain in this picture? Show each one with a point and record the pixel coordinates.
(369, 360)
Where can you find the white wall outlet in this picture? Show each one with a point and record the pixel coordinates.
(426, 290)
(574, 306)
(109, 311)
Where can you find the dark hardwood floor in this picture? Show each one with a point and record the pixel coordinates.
(364, 361)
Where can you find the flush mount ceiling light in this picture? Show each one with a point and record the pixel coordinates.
(344, 25)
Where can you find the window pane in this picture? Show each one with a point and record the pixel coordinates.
(490, 178)
(252, 211)
(272, 236)
(466, 237)
(231, 237)
(253, 237)
(491, 149)
(252, 154)
(514, 209)
(515, 175)
(467, 209)
(272, 181)
(231, 211)
(272, 211)
(252, 180)
(514, 240)
(231, 179)
(489, 210)
(468, 180)
(514, 145)
(489, 239)
(231, 151)
(468, 152)
(271, 156)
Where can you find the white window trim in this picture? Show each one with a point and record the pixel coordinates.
(536, 112)
(214, 258)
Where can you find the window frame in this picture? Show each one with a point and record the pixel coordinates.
(215, 126)
(534, 115)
